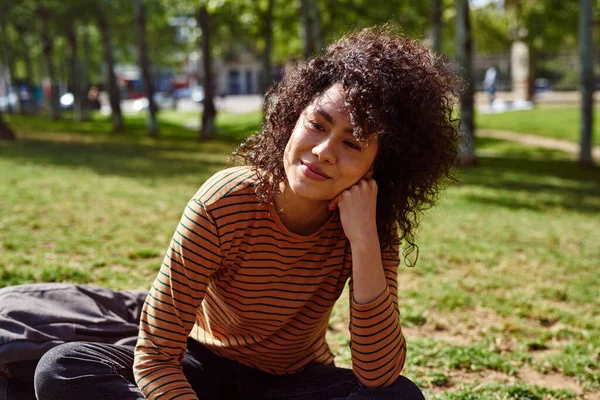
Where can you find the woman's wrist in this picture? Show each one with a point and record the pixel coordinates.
(367, 239)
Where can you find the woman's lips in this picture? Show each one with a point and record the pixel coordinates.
(314, 172)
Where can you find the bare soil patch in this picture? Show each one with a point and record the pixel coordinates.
(550, 380)
(462, 328)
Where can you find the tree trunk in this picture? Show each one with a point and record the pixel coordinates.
(5, 132)
(267, 70)
(210, 112)
(310, 31)
(29, 106)
(9, 62)
(140, 15)
(85, 80)
(47, 50)
(113, 88)
(317, 35)
(586, 51)
(464, 56)
(436, 26)
(75, 79)
(532, 72)
(305, 29)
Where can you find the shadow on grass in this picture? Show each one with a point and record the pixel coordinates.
(92, 144)
(131, 159)
(229, 128)
(546, 183)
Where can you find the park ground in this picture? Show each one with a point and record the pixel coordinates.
(503, 302)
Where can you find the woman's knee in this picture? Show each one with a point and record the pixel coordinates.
(50, 370)
(408, 389)
(402, 388)
(61, 365)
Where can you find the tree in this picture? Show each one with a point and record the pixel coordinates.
(266, 59)
(20, 42)
(210, 112)
(5, 132)
(491, 26)
(464, 57)
(80, 14)
(310, 17)
(26, 54)
(546, 26)
(8, 60)
(144, 63)
(436, 26)
(113, 88)
(76, 87)
(44, 13)
(586, 49)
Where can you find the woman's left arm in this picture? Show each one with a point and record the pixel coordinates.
(377, 344)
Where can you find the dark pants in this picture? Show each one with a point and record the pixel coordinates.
(82, 370)
(16, 380)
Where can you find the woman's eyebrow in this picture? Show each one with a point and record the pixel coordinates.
(330, 119)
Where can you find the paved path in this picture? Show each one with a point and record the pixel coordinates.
(536, 141)
(555, 98)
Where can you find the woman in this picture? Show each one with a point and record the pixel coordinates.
(354, 146)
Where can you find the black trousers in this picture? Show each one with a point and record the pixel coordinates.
(83, 370)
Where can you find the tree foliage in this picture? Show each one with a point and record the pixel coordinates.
(546, 25)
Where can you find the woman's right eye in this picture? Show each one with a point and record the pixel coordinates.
(316, 125)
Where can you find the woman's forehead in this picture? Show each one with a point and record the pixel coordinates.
(334, 97)
(331, 105)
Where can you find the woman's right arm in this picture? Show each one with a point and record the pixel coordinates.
(170, 309)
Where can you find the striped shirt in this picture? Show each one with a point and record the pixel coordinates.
(238, 281)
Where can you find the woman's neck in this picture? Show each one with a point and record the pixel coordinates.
(301, 216)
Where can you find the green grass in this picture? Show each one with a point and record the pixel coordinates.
(506, 285)
(172, 125)
(507, 392)
(555, 122)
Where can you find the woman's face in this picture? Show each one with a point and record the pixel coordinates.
(322, 157)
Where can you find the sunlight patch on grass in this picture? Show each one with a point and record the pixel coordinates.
(555, 122)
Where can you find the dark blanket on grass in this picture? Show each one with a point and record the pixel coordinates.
(37, 317)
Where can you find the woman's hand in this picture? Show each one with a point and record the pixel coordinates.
(358, 206)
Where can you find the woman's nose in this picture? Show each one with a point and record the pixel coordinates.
(325, 150)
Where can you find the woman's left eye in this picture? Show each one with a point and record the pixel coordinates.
(352, 145)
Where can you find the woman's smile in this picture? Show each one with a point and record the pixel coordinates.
(313, 171)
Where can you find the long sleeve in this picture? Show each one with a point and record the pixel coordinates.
(377, 344)
(170, 309)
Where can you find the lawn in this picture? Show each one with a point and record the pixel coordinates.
(503, 302)
(556, 122)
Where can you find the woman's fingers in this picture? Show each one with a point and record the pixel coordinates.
(334, 202)
(364, 184)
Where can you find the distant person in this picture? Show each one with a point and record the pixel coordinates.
(94, 98)
(24, 94)
(354, 146)
(490, 83)
(38, 96)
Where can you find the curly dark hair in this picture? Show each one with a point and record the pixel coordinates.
(395, 87)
